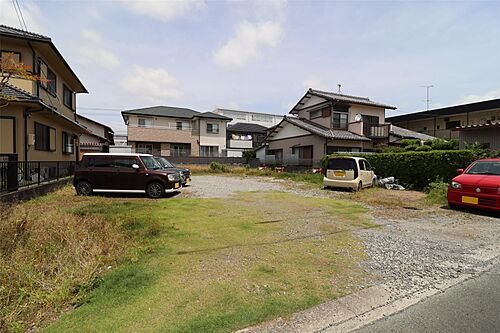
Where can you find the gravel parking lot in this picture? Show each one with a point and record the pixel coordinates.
(412, 252)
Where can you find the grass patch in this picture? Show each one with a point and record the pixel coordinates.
(191, 265)
(437, 193)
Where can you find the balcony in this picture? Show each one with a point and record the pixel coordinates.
(244, 144)
(378, 131)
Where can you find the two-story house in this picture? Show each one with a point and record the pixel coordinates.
(38, 118)
(174, 131)
(244, 136)
(325, 122)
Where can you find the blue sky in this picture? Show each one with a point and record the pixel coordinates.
(263, 55)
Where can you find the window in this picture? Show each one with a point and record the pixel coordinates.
(52, 82)
(145, 122)
(45, 137)
(100, 162)
(213, 128)
(68, 143)
(180, 150)
(144, 148)
(67, 97)
(10, 56)
(315, 114)
(372, 120)
(124, 162)
(209, 151)
(339, 120)
(178, 125)
(241, 137)
(452, 124)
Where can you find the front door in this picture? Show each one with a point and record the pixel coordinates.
(306, 155)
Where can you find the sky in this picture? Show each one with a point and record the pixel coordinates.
(263, 55)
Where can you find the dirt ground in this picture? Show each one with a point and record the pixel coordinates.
(416, 248)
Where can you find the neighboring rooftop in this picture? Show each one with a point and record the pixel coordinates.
(447, 111)
(493, 124)
(247, 128)
(249, 112)
(78, 115)
(325, 132)
(409, 134)
(174, 112)
(341, 98)
(17, 93)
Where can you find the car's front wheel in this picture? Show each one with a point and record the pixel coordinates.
(83, 188)
(155, 190)
(359, 187)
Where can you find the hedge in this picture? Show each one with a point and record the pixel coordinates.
(416, 170)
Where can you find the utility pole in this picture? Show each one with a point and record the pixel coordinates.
(428, 87)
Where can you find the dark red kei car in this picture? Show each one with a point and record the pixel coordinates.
(477, 186)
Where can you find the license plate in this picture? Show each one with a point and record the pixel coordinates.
(339, 173)
(470, 200)
(176, 185)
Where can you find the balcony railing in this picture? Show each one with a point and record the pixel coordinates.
(170, 127)
(376, 131)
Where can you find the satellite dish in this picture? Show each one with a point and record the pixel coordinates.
(358, 117)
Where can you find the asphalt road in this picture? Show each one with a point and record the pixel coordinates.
(473, 306)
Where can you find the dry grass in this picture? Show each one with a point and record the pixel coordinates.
(50, 257)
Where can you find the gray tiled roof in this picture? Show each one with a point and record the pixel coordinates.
(247, 127)
(348, 99)
(165, 111)
(174, 112)
(17, 93)
(323, 131)
(409, 134)
(14, 32)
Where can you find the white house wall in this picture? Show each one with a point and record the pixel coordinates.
(288, 131)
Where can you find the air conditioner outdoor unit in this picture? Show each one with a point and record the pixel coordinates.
(69, 148)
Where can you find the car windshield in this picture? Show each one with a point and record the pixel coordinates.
(164, 162)
(341, 164)
(485, 168)
(150, 163)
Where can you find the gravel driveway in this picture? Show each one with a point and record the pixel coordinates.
(408, 254)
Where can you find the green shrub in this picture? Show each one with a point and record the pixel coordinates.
(409, 142)
(218, 167)
(411, 147)
(417, 169)
(437, 192)
(442, 144)
(423, 148)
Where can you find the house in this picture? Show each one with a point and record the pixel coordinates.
(38, 120)
(326, 122)
(244, 136)
(487, 135)
(176, 131)
(99, 138)
(257, 118)
(442, 122)
(120, 139)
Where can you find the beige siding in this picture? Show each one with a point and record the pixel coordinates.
(490, 136)
(209, 139)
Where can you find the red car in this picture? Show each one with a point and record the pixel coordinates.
(477, 186)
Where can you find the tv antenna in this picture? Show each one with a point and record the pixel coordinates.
(428, 99)
(340, 86)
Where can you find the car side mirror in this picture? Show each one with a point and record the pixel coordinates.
(460, 171)
(135, 166)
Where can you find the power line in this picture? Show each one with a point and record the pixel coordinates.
(22, 17)
(17, 14)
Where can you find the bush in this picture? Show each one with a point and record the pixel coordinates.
(442, 144)
(411, 147)
(218, 167)
(417, 169)
(437, 192)
(423, 148)
(409, 142)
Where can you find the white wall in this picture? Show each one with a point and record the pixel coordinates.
(263, 119)
(288, 131)
(209, 139)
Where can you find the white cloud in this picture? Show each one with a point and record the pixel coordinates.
(164, 10)
(31, 13)
(153, 85)
(92, 51)
(247, 44)
(492, 94)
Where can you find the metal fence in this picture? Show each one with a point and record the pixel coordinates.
(15, 175)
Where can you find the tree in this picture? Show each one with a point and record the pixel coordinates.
(10, 68)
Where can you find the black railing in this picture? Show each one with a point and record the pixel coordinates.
(15, 175)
